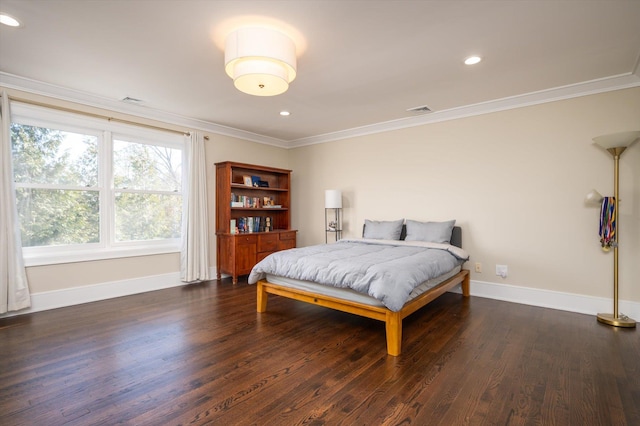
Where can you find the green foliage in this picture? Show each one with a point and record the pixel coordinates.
(52, 171)
(34, 151)
(147, 167)
(53, 216)
(147, 216)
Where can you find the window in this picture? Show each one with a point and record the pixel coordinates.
(147, 195)
(90, 189)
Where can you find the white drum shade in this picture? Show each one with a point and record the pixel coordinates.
(261, 61)
(333, 199)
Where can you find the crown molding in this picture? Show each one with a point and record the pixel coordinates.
(623, 81)
(12, 81)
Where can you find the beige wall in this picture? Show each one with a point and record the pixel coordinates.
(218, 148)
(79, 274)
(514, 180)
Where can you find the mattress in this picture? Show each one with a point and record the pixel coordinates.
(352, 295)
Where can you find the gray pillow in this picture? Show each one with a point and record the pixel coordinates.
(432, 232)
(383, 230)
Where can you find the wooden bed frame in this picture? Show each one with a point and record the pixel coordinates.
(392, 320)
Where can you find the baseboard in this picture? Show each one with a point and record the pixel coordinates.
(92, 293)
(524, 295)
(552, 299)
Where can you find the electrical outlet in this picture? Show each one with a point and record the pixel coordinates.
(478, 267)
(502, 270)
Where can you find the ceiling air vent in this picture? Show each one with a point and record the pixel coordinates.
(420, 110)
(131, 100)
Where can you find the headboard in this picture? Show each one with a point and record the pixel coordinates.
(456, 235)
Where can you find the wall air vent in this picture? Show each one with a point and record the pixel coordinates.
(420, 110)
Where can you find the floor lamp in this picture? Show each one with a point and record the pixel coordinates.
(332, 201)
(616, 144)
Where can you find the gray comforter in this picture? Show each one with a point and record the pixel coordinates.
(386, 270)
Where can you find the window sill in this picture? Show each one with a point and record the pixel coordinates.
(73, 256)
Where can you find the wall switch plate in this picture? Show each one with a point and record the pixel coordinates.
(478, 267)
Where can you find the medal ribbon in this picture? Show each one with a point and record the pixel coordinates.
(607, 229)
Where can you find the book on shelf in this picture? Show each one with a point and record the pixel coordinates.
(250, 224)
(243, 201)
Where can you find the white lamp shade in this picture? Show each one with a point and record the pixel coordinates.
(261, 61)
(617, 140)
(593, 197)
(332, 199)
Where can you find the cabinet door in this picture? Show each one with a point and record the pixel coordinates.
(225, 254)
(246, 250)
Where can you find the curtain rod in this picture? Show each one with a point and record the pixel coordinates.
(101, 116)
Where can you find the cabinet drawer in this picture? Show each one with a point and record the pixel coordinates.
(287, 240)
(262, 255)
(267, 242)
(288, 235)
(246, 239)
(286, 244)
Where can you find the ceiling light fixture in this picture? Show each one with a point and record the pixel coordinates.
(285, 113)
(472, 60)
(261, 61)
(9, 21)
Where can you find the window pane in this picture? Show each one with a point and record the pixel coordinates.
(147, 167)
(57, 217)
(42, 155)
(147, 216)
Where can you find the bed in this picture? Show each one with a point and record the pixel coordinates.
(390, 273)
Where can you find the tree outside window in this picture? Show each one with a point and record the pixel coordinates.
(84, 188)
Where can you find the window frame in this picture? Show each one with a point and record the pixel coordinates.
(105, 130)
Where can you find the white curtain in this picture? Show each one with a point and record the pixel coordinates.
(195, 230)
(14, 288)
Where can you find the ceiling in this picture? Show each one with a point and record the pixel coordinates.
(361, 64)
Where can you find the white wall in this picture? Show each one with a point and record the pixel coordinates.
(514, 180)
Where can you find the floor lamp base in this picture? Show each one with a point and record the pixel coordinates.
(621, 321)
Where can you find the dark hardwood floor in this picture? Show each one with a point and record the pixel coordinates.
(201, 354)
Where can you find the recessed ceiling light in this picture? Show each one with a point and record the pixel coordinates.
(285, 113)
(9, 20)
(472, 60)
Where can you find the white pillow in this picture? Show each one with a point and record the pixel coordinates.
(432, 232)
(383, 230)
